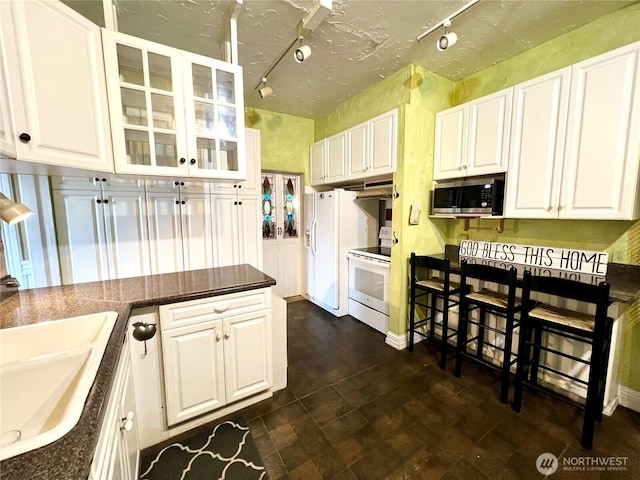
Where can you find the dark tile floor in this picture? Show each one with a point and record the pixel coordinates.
(357, 408)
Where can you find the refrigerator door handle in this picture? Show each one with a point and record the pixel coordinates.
(313, 236)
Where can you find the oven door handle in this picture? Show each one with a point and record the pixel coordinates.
(369, 261)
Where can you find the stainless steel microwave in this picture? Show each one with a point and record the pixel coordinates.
(471, 196)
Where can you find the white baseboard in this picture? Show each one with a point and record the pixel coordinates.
(399, 342)
(629, 398)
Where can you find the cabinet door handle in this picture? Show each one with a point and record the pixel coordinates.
(192, 161)
(218, 337)
(227, 335)
(223, 307)
(182, 160)
(25, 137)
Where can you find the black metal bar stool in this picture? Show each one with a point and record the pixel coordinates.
(591, 329)
(501, 305)
(425, 293)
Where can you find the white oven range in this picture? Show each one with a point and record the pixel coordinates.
(369, 272)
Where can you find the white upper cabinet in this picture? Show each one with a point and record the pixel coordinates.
(366, 150)
(383, 143)
(600, 174)
(537, 145)
(473, 138)
(173, 113)
(56, 81)
(575, 141)
(336, 156)
(358, 150)
(317, 154)
(7, 134)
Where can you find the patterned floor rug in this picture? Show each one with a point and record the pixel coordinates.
(225, 451)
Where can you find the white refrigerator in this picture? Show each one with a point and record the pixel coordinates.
(334, 223)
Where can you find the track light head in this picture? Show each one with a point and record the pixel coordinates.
(448, 39)
(301, 53)
(265, 91)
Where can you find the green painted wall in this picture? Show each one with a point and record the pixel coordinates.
(284, 140)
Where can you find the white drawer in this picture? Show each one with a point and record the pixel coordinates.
(196, 311)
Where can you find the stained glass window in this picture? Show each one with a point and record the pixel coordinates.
(290, 206)
(268, 207)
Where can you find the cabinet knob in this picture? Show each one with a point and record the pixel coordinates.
(239, 186)
(98, 201)
(127, 424)
(239, 203)
(235, 186)
(235, 203)
(183, 202)
(192, 161)
(227, 335)
(96, 179)
(182, 160)
(176, 183)
(25, 137)
(218, 337)
(130, 416)
(104, 179)
(182, 184)
(106, 201)
(221, 308)
(177, 202)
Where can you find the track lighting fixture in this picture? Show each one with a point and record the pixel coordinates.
(315, 16)
(448, 39)
(265, 90)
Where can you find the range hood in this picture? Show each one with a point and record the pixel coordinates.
(376, 189)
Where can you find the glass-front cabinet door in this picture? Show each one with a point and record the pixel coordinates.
(146, 105)
(215, 114)
(173, 112)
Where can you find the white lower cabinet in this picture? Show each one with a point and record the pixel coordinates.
(215, 352)
(117, 453)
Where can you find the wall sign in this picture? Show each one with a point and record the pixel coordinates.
(580, 261)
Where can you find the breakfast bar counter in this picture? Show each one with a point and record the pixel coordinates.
(70, 457)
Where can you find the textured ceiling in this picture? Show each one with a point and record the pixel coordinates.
(359, 43)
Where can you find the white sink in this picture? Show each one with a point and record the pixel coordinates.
(46, 372)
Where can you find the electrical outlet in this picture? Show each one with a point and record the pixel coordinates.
(619, 255)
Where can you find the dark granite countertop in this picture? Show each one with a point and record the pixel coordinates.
(70, 457)
(624, 279)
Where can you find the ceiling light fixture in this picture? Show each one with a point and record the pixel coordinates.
(266, 90)
(447, 42)
(448, 39)
(301, 53)
(314, 17)
(12, 212)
